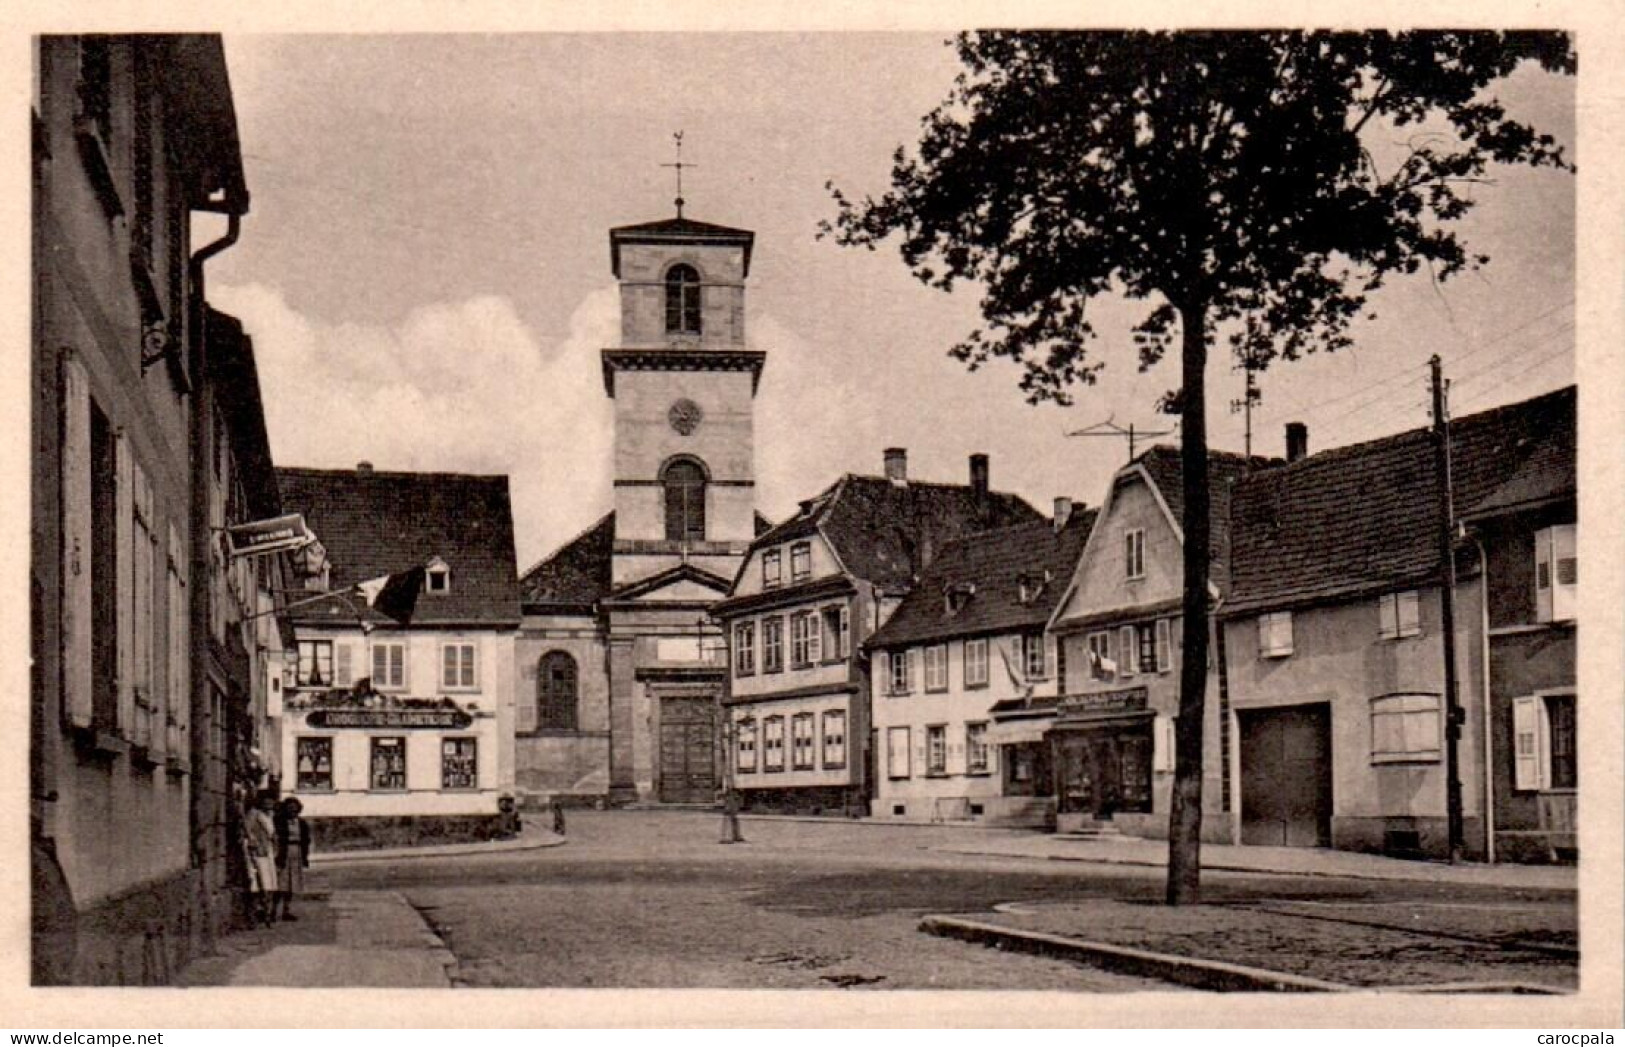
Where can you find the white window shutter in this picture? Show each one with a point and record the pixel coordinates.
(1410, 613)
(1543, 575)
(1526, 755)
(1128, 665)
(1162, 743)
(1543, 744)
(343, 669)
(1565, 575)
(125, 525)
(1165, 654)
(1387, 616)
(400, 665)
(78, 705)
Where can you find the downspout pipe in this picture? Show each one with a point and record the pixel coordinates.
(201, 423)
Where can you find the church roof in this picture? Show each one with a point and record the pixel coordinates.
(579, 574)
(677, 231)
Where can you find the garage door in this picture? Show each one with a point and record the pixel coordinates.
(1286, 776)
(688, 769)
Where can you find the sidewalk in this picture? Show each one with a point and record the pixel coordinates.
(1288, 861)
(346, 939)
(1274, 947)
(529, 839)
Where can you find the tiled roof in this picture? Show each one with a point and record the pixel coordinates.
(578, 575)
(1224, 470)
(386, 522)
(989, 568)
(580, 572)
(1547, 475)
(883, 531)
(1363, 518)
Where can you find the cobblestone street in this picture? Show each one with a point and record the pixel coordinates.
(650, 899)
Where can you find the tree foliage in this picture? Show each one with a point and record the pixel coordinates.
(1225, 168)
(1237, 182)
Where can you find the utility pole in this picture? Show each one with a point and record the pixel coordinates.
(1454, 717)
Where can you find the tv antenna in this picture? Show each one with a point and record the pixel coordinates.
(1244, 405)
(1110, 428)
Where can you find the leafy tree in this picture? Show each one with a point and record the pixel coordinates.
(1227, 179)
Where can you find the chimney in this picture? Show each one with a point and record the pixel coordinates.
(1297, 441)
(1063, 511)
(897, 465)
(978, 476)
(363, 468)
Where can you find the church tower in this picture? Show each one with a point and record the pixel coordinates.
(684, 387)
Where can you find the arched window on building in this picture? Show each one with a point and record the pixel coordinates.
(684, 480)
(556, 690)
(682, 300)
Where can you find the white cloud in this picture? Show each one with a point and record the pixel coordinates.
(453, 387)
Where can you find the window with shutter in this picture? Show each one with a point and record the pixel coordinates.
(81, 496)
(1528, 765)
(1165, 652)
(1274, 635)
(897, 752)
(1556, 574)
(1128, 642)
(343, 665)
(1162, 744)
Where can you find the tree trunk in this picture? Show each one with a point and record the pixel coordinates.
(1185, 814)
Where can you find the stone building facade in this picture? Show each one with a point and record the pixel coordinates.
(620, 667)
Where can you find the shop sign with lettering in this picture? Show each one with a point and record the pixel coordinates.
(1101, 703)
(455, 719)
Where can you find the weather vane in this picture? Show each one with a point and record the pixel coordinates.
(679, 165)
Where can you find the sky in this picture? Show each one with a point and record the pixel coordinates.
(425, 270)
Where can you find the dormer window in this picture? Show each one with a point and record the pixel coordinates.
(437, 577)
(955, 597)
(682, 300)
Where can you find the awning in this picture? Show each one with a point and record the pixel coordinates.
(1018, 732)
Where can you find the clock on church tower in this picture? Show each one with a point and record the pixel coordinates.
(684, 387)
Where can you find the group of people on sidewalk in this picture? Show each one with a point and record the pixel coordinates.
(278, 843)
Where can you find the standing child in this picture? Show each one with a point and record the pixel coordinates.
(292, 853)
(259, 838)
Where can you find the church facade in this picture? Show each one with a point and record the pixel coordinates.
(620, 667)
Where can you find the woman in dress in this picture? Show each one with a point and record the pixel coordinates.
(259, 838)
(292, 853)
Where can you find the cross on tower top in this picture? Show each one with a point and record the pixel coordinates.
(677, 137)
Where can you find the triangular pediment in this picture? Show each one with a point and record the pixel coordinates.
(684, 583)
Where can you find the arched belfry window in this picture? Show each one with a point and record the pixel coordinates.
(682, 300)
(684, 481)
(556, 692)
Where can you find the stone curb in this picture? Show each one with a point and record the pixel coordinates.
(1398, 876)
(390, 854)
(1211, 975)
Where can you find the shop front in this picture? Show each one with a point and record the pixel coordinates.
(1103, 753)
(382, 770)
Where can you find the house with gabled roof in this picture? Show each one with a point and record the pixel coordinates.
(809, 594)
(1333, 638)
(1118, 635)
(968, 641)
(398, 727)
